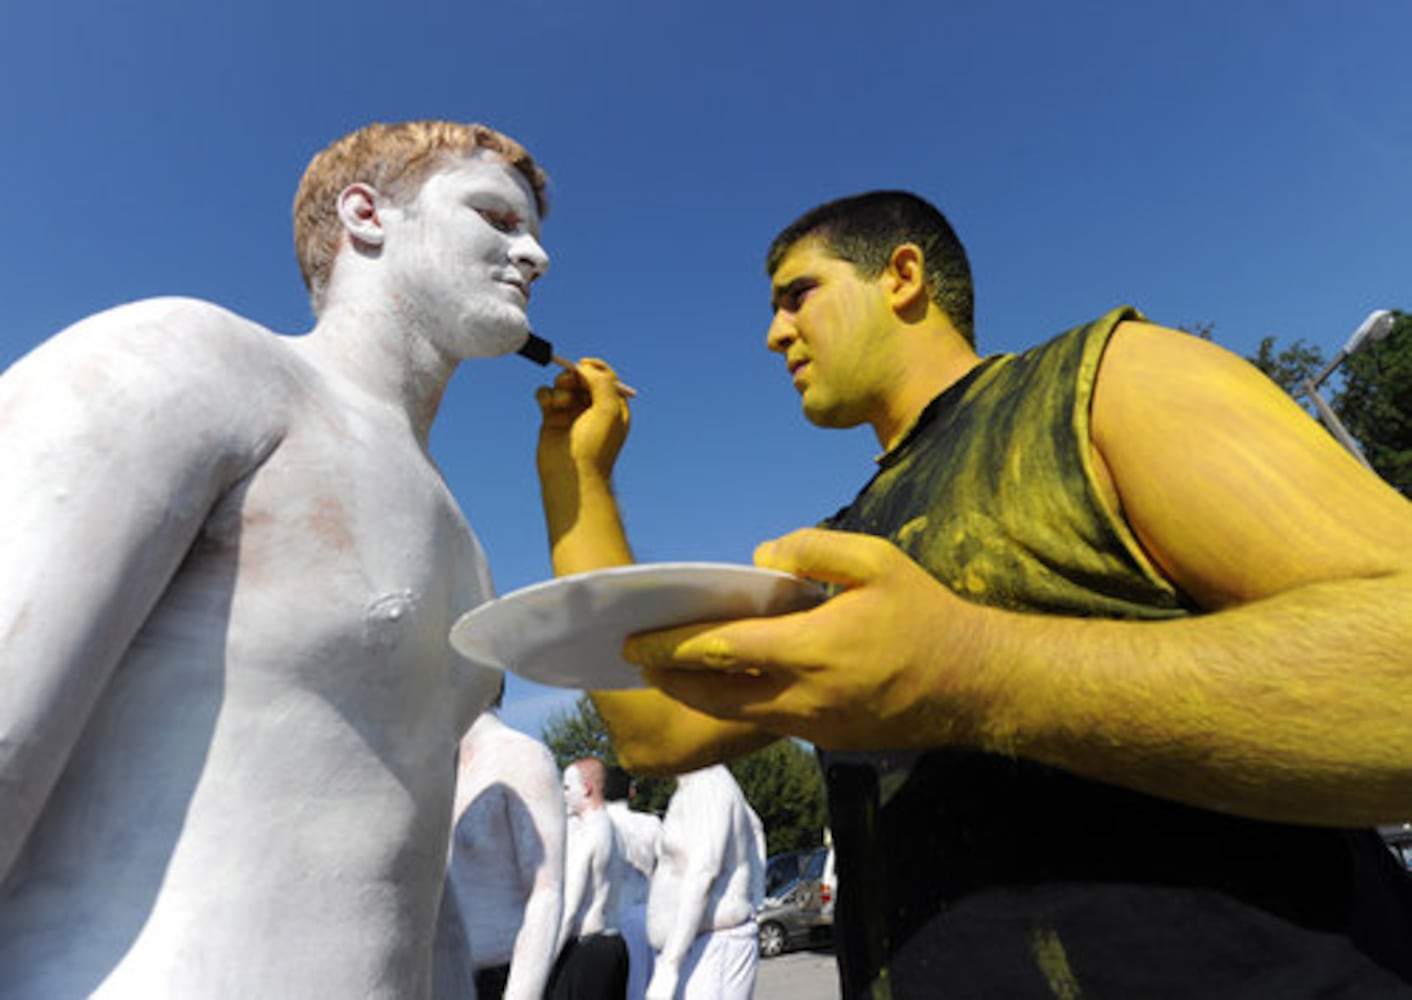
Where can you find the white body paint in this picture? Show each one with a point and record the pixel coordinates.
(229, 708)
(507, 854)
(590, 860)
(709, 872)
(638, 835)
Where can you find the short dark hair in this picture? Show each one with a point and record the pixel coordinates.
(617, 784)
(864, 229)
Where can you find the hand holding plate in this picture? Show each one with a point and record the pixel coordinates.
(883, 664)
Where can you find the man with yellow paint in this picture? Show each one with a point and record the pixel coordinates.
(1104, 693)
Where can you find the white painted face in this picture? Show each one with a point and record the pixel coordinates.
(463, 255)
(575, 790)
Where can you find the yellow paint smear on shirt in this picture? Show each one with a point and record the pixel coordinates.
(912, 527)
(1054, 964)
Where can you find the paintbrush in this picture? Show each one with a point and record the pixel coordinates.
(541, 352)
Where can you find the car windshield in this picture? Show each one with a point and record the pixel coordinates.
(784, 892)
(780, 872)
(783, 869)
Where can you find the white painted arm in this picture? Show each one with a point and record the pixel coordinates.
(578, 861)
(115, 440)
(538, 835)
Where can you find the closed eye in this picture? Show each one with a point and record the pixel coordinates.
(505, 222)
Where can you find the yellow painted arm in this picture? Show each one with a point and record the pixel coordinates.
(1293, 699)
(584, 424)
(1290, 700)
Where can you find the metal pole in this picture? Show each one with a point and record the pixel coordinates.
(1333, 423)
(1375, 326)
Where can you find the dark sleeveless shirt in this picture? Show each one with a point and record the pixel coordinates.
(968, 874)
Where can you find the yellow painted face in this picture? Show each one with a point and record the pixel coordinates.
(832, 326)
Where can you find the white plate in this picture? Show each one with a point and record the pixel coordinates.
(569, 632)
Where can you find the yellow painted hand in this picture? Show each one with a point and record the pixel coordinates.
(584, 420)
(887, 663)
(584, 423)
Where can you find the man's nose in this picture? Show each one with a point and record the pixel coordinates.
(781, 333)
(529, 257)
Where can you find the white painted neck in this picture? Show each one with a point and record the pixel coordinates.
(379, 345)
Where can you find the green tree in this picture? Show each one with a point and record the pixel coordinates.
(1204, 329)
(1289, 367)
(782, 782)
(577, 732)
(580, 732)
(1375, 402)
(783, 785)
(1370, 393)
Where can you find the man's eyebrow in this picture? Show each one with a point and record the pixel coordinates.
(490, 198)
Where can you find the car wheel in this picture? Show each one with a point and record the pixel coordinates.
(771, 939)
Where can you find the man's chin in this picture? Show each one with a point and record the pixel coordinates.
(494, 336)
(832, 417)
(815, 412)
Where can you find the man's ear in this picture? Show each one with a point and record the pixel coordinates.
(358, 213)
(906, 276)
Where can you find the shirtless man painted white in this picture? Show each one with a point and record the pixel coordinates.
(592, 853)
(507, 859)
(593, 957)
(228, 705)
(701, 912)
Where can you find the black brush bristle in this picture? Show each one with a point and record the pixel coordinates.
(537, 349)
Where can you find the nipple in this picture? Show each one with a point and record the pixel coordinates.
(385, 619)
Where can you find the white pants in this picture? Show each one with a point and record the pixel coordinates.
(721, 965)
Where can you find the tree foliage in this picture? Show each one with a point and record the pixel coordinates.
(783, 785)
(782, 782)
(1371, 394)
(1203, 329)
(579, 732)
(1289, 367)
(574, 733)
(1375, 403)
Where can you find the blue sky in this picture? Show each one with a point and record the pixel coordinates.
(1245, 164)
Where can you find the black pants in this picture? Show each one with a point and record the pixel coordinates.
(490, 981)
(592, 967)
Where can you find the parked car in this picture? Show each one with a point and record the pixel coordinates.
(783, 870)
(1399, 840)
(798, 912)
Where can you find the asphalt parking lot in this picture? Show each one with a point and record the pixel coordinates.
(797, 975)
